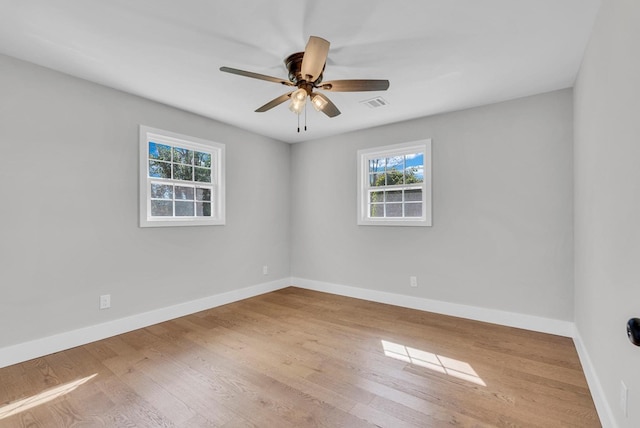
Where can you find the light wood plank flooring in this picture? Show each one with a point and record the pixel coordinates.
(298, 358)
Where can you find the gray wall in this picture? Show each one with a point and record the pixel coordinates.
(607, 201)
(69, 210)
(502, 234)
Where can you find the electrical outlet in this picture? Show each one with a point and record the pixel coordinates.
(413, 281)
(105, 301)
(624, 395)
(265, 270)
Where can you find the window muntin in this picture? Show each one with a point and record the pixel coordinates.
(181, 180)
(394, 185)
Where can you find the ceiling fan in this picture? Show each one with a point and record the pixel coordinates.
(305, 73)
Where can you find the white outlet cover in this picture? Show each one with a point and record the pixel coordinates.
(105, 301)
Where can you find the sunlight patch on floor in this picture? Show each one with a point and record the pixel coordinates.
(431, 361)
(41, 398)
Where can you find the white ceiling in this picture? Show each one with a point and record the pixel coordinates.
(439, 55)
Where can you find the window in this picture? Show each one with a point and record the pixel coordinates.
(394, 185)
(181, 180)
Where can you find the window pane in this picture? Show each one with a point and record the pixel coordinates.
(203, 209)
(203, 194)
(376, 165)
(184, 209)
(182, 172)
(376, 210)
(395, 163)
(202, 159)
(376, 197)
(394, 177)
(414, 174)
(413, 195)
(184, 192)
(159, 151)
(394, 210)
(413, 209)
(376, 179)
(182, 156)
(161, 208)
(159, 169)
(203, 175)
(395, 170)
(414, 164)
(161, 191)
(394, 196)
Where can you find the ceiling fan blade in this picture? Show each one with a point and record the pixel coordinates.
(355, 85)
(325, 105)
(274, 102)
(315, 56)
(255, 75)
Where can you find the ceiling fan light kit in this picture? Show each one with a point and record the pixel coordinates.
(298, 100)
(319, 103)
(305, 72)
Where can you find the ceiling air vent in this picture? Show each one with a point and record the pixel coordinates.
(375, 102)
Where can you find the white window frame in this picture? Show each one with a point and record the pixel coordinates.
(364, 187)
(217, 151)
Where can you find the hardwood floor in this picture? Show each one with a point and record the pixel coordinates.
(297, 358)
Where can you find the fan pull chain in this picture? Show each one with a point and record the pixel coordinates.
(298, 122)
(305, 116)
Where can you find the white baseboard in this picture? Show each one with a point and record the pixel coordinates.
(494, 316)
(597, 393)
(47, 345)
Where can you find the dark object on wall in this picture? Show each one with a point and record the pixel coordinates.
(633, 331)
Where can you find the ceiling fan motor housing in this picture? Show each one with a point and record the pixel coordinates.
(294, 65)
